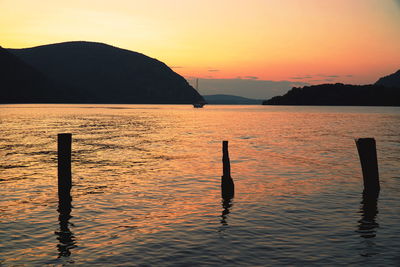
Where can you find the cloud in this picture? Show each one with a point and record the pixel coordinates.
(251, 88)
(213, 70)
(321, 77)
(301, 77)
(329, 76)
(327, 80)
(251, 77)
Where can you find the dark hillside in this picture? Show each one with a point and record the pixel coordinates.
(106, 74)
(392, 80)
(339, 95)
(22, 83)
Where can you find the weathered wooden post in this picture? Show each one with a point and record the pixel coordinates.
(227, 185)
(64, 167)
(369, 164)
(65, 236)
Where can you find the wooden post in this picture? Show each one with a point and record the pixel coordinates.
(64, 167)
(369, 164)
(227, 185)
(65, 236)
(225, 160)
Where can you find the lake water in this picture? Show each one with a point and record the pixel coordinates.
(146, 186)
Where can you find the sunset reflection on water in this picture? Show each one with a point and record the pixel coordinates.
(146, 184)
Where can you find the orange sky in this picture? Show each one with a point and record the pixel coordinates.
(353, 41)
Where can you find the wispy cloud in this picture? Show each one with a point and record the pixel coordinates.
(329, 80)
(251, 77)
(301, 77)
(334, 76)
(320, 77)
(213, 70)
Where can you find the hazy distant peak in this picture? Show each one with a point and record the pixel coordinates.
(231, 99)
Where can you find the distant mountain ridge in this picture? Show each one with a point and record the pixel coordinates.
(230, 100)
(392, 80)
(100, 73)
(385, 92)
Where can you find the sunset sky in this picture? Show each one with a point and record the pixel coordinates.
(291, 41)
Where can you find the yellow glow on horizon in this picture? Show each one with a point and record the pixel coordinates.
(272, 40)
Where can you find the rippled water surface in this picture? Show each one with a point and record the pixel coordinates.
(146, 186)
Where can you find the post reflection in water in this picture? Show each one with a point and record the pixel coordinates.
(226, 205)
(369, 209)
(65, 237)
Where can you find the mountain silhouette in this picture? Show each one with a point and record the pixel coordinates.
(339, 95)
(392, 80)
(88, 72)
(230, 100)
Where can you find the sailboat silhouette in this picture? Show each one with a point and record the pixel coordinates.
(199, 104)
